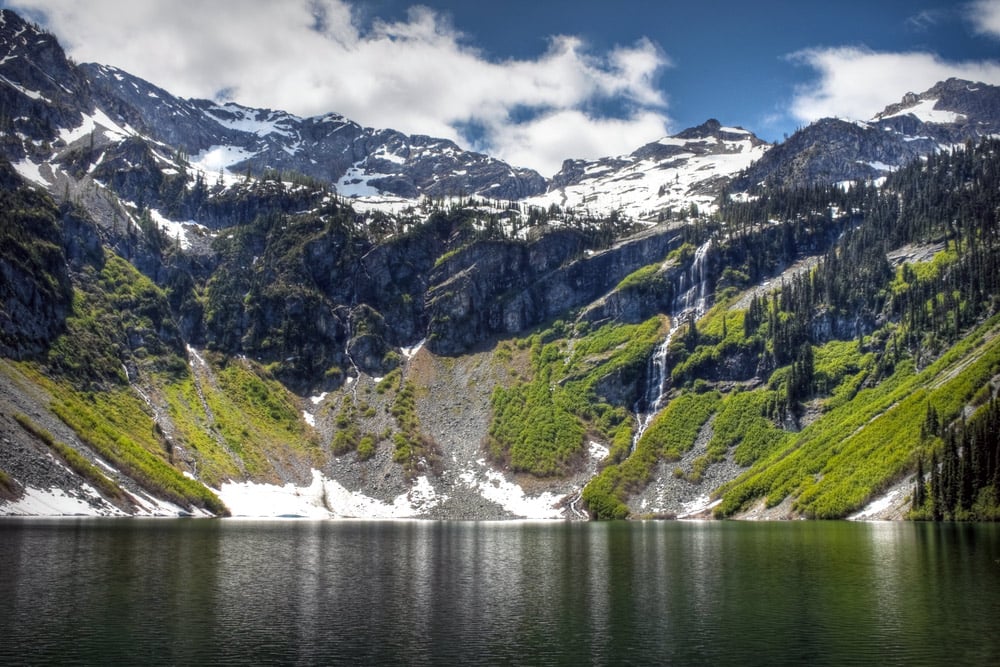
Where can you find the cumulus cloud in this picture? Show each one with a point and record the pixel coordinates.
(856, 82)
(985, 16)
(568, 133)
(419, 75)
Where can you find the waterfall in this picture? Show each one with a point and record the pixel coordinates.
(692, 295)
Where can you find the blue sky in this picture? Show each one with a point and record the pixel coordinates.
(732, 60)
(536, 82)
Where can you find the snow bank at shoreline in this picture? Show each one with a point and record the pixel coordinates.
(325, 498)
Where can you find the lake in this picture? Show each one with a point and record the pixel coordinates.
(166, 591)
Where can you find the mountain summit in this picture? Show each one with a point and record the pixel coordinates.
(970, 106)
(661, 177)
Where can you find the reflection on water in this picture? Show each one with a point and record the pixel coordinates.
(191, 592)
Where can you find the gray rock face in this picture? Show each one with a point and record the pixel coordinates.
(35, 289)
(833, 150)
(502, 288)
(976, 105)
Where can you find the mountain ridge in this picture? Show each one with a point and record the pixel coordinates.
(833, 150)
(372, 163)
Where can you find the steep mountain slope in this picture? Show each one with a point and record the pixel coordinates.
(835, 150)
(194, 318)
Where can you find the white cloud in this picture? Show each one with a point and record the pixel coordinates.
(418, 75)
(985, 16)
(856, 82)
(924, 20)
(569, 133)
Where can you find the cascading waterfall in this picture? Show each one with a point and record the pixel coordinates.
(692, 295)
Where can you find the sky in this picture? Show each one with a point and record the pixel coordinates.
(539, 81)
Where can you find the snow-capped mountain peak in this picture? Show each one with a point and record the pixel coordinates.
(955, 102)
(662, 177)
(833, 150)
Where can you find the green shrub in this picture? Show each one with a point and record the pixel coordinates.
(366, 447)
(671, 433)
(8, 487)
(539, 425)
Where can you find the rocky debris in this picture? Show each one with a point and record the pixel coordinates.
(674, 494)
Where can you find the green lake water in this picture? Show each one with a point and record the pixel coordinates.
(188, 592)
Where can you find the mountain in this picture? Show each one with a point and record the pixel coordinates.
(669, 175)
(211, 309)
(834, 150)
(331, 148)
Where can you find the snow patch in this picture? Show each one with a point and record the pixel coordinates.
(925, 111)
(493, 486)
(151, 506)
(325, 498)
(220, 158)
(384, 154)
(97, 119)
(408, 352)
(33, 94)
(697, 506)
(252, 121)
(876, 507)
(178, 231)
(880, 166)
(55, 502)
(249, 499)
(355, 183)
(598, 452)
(195, 357)
(31, 172)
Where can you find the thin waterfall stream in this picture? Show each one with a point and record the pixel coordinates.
(692, 291)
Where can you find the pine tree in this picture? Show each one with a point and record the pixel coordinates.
(919, 490)
(936, 500)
